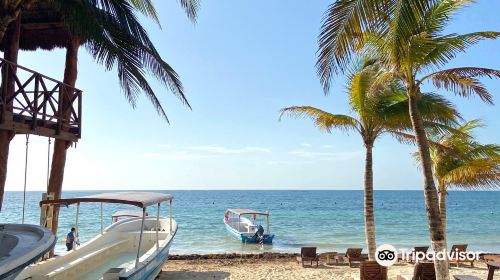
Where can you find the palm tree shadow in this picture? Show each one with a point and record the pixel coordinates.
(181, 275)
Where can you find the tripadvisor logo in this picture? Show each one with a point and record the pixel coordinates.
(387, 255)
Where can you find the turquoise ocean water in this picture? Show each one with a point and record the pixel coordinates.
(330, 220)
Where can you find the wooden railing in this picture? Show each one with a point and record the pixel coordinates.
(36, 104)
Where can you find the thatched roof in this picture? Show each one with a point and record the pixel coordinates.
(42, 27)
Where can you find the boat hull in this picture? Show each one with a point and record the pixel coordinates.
(21, 259)
(248, 237)
(149, 270)
(116, 248)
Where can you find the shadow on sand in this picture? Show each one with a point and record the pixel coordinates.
(181, 275)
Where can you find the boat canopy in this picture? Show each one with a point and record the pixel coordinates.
(139, 199)
(240, 212)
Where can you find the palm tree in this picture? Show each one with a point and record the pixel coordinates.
(407, 38)
(377, 111)
(461, 162)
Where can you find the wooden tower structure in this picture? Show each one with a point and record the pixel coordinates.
(30, 102)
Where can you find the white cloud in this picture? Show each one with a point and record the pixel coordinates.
(198, 152)
(182, 155)
(327, 146)
(305, 145)
(326, 155)
(224, 150)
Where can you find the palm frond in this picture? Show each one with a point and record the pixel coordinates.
(117, 39)
(146, 7)
(464, 81)
(476, 174)
(323, 120)
(433, 108)
(341, 27)
(191, 7)
(440, 50)
(439, 13)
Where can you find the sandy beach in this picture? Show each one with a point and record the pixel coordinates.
(283, 268)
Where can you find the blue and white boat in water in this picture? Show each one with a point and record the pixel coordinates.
(133, 247)
(22, 245)
(244, 225)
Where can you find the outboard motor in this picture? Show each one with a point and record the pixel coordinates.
(259, 234)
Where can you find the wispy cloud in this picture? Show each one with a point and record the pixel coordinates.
(182, 155)
(326, 155)
(305, 145)
(327, 146)
(199, 152)
(224, 150)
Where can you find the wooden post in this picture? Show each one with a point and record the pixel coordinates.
(35, 102)
(11, 40)
(46, 211)
(79, 114)
(46, 214)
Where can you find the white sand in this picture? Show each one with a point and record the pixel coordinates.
(283, 269)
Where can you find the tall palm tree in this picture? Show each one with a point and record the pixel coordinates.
(377, 110)
(407, 37)
(461, 162)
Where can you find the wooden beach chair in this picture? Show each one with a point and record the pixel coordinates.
(421, 271)
(456, 249)
(492, 266)
(491, 258)
(354, 255)
(371, 270)
(308, 254)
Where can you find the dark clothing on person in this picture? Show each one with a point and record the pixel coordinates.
(70, 240)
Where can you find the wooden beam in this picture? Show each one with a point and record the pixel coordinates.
(25, 128)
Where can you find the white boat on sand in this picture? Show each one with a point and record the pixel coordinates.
(21, 245)
(132, 248)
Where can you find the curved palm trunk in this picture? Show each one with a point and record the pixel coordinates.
(369, 211)
(11, 52)
(442, 205)
(61, 146)
(430, 193)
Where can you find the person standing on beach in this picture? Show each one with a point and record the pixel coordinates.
(70, 239)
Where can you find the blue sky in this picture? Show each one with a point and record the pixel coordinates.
(241, 63)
